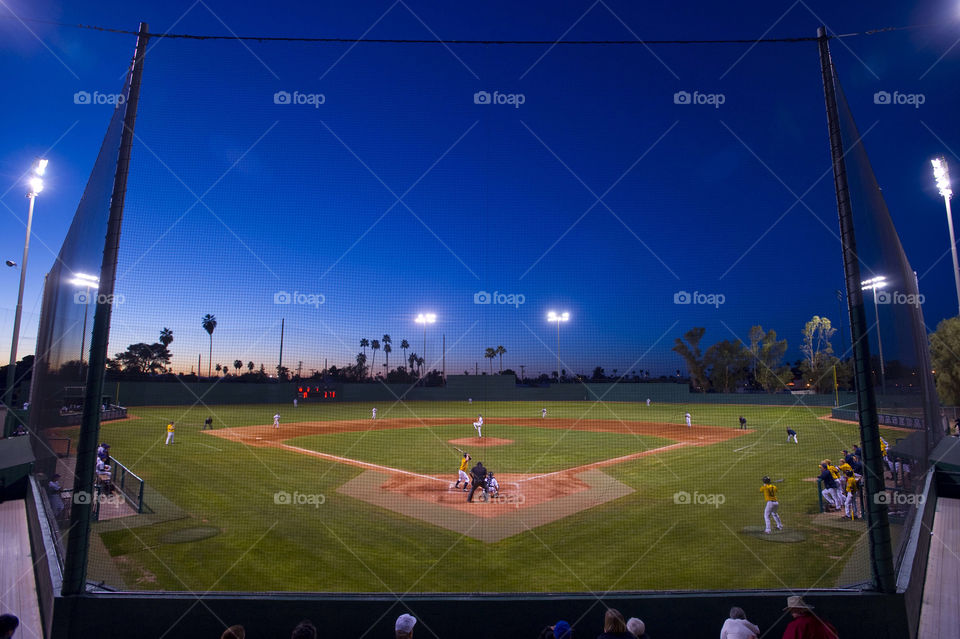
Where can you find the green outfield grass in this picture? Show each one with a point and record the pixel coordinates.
(534, 450)
(644, 541)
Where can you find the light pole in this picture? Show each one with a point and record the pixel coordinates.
(425, 318)
(36, 186)
(558, 318)
(87, 282)
(942, 174)
(877, 283)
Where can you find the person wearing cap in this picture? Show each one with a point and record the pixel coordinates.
(562, 630)
(404, 626)
(829, 486)
(53, 495)
(771, 505)
(304, 630)
(737, 626)
(805, 624)
(637, 628)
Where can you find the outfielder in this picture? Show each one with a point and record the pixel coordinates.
(689, 425)
(276, 420)
(479, 425)
(462, 473)
(170, 431)
(374, 413)
(543, 413)
(771, 505)
(648, 401)
(792, 436)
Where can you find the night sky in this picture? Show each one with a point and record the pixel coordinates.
(399, 194)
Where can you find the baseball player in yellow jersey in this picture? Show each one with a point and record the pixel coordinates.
(170, 431)
(851, 507)
(771, 505)
(462, 473)
(839, 479)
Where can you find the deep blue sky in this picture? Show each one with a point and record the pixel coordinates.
(297, 202)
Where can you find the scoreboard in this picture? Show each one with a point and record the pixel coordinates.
(316, 393)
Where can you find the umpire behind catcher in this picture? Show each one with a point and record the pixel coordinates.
(479, 480)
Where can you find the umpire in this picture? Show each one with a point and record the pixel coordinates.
(479, 480)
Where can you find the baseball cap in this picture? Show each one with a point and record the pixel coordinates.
(561, 630)
(405, 623)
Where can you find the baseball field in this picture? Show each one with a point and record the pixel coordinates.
(594, 497)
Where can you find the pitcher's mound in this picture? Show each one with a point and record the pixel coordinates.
(481, 442)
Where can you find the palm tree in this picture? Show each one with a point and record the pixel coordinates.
(420, 362)
(412, 360)
(386, 349)
(209, 322)
(218, 368)
(501, 351)
(363, 344)
(490, 353)
(237, 364)
(166, 336)
(361, 363)
(250, 366)
(404, 345)
(375, 345)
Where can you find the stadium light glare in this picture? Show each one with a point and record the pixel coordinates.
(87, 282)
(425, 318)
(40, 166)
(36, 186)
(874, 284)
(559, 318)
(941, 172)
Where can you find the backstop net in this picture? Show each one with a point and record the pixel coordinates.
(342, 268)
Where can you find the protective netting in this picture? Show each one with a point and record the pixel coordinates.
(900, 358)
(331, 197)
(70, 296)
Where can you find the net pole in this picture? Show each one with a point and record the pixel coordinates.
(75, 562)
(878, 524)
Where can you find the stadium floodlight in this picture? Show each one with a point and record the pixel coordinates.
(36, 186)
(875, 284)
(87, 282)
(425, 318)
(558, 318)
(941, 173)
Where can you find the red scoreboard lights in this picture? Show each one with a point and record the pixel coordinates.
(316, 392)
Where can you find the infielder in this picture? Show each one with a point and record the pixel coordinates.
(170, 430)
(689, 425)
(771, 505)
(207, 423)
(792, 435)
(462, 473)
(374, 413)
(479, 425)
(743, 423)
(543, 413)
(276, 420)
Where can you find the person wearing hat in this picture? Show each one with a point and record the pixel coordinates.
(771, 505)
(805, 624)
(562, 630)
(54, 495)
(8, 625)
(404, 626)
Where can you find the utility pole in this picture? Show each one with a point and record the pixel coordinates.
(280, 365)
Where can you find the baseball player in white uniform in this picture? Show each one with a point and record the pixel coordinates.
(493, 486)
(374, 413)
(479, 425)
(648, 401)
(276, 420)
(689, 425)
(543, 413)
